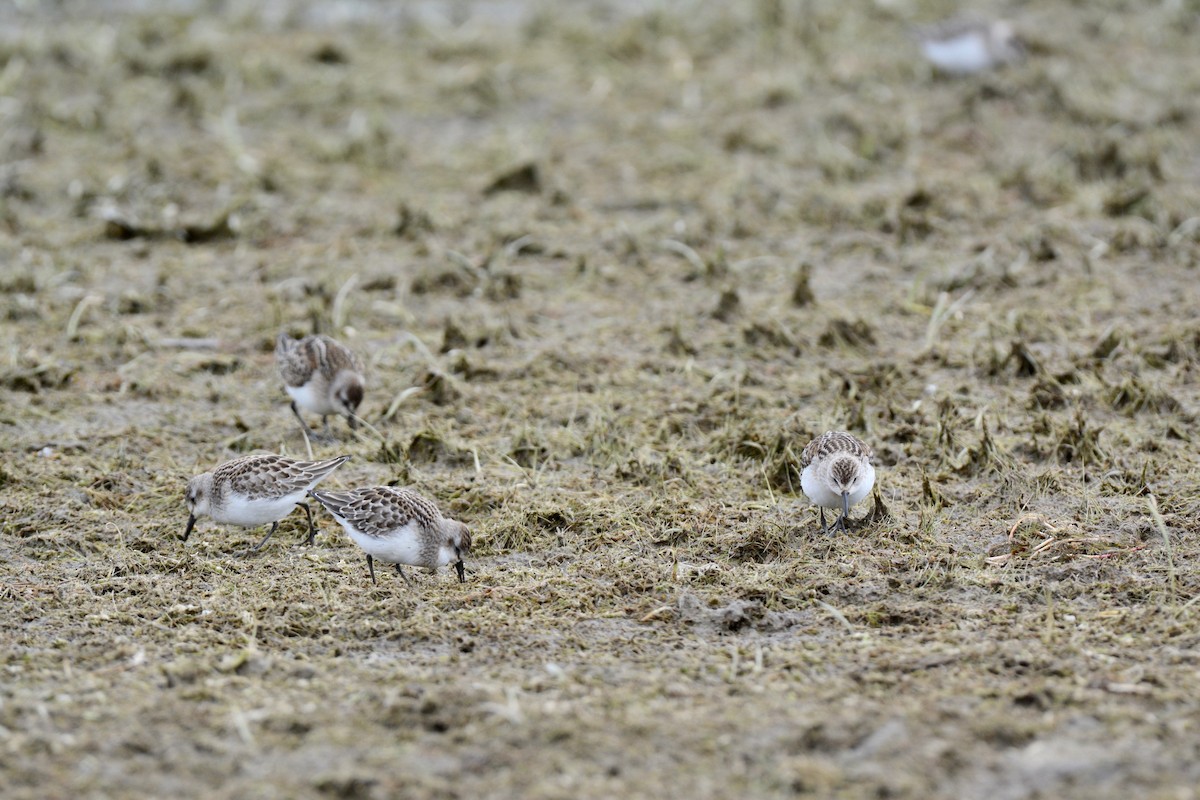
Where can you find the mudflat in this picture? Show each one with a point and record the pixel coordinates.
(609, 267)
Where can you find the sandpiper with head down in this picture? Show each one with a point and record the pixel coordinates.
(321, 376)
(398, 526)
(836, 473)
(254, 490)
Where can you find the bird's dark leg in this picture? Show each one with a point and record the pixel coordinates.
(400, 572)
(303, 424)
(312, 529)
(371, 566)
(258, 546)
(824, 527)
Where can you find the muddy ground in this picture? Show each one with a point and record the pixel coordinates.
(611, 266)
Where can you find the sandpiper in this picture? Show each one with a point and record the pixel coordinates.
(966, 46)
(321, 376)
(398, 526)
(254, 490)
(836, 473)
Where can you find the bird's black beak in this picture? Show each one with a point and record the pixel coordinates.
(845, 504)
(462, 571)
(352, 421)
(191, 523)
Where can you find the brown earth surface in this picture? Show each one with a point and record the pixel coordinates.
(611, 266)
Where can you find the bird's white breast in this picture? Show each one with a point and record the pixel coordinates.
(864, 486)
(401, 546)
(309, 400)
(819, 489)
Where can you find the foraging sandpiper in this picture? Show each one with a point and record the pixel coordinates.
(836, 473)
(398, 526)
(254, 490)
(321, 376)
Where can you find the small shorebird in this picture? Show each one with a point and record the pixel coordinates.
(400, 527)
(836, 473)
(967, 46)
(321, 376)
(254, 490)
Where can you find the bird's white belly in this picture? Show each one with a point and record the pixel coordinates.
(249, 513)
(961, 54)
(401, 546)
(309, 400)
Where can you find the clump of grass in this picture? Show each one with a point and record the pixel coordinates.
(1168, 547)
(986, 455)
(431, 446)
(764, 540)
(847, 333)
(1133, 396)
(930, 496)
(802, 293)
(529, 448)
(1079, 442)
(440, 387)
(729, 304)
(1024, 362)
